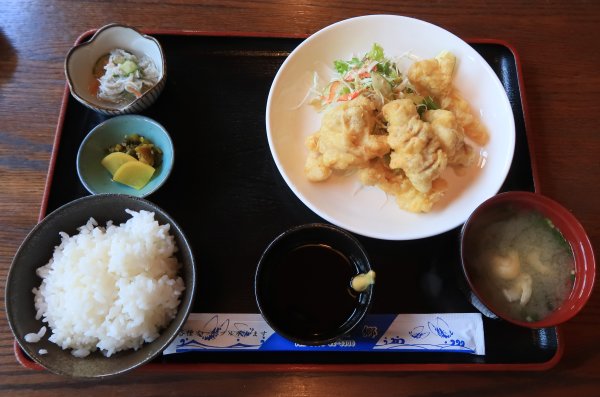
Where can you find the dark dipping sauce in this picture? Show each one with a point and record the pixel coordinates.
(308, 290)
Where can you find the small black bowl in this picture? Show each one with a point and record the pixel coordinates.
(303, 284)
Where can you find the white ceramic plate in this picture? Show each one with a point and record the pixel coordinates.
(341, 200)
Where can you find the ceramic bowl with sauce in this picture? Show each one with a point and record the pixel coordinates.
(303, 284)
(527, 260)
(82, 59)
(94, 148)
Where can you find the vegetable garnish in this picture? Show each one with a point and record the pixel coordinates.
(427, 104)
(372, 75)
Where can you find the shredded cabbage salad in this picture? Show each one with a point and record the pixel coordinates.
(126, 77)
(373, 75)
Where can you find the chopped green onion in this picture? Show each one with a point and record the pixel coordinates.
(429, 102)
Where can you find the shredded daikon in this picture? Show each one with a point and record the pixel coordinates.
(126, 77)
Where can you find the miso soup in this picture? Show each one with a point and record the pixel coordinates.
(522, 265)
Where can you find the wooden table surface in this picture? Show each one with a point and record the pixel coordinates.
(560, 55)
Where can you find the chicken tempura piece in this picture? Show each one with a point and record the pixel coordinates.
(470, 123)
(415, 147)
(434, 76)
(345, 140)
(395, 183)
(451, 136)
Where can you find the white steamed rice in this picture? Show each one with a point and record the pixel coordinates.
(35, 337)
(110, 288)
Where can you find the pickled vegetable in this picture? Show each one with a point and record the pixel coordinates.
(134, 174)
(115, 160)
(139, 147)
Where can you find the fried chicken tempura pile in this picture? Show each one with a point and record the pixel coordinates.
(409, 158)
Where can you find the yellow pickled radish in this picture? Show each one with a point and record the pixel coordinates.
(134, 173)
(115, 160)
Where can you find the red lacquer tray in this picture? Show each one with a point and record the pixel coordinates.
(228, 196)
